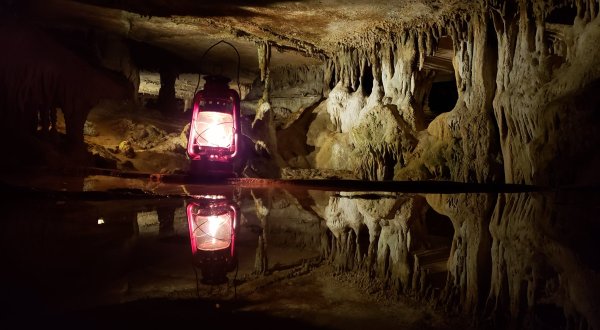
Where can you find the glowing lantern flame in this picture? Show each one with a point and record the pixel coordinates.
(214, 129)
(213, 233)
(210, 231)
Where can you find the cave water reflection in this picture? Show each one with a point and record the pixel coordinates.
(212, 221)
(505, 259)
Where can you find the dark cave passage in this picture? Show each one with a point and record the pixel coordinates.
(442, 97)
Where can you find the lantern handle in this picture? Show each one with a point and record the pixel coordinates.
(238, 65)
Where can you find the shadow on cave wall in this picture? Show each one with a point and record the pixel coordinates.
(36, 79)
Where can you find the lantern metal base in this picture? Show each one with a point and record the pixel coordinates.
(215, 265)
(204, 168)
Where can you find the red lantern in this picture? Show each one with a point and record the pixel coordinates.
(215, 122)
(212, 223)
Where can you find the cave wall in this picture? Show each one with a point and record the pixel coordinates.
(40, 75)
(526, 76)
(526, 104)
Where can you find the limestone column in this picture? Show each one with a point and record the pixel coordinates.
(166, 95)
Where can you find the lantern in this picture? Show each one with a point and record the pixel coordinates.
(212, 222)
(215, 122)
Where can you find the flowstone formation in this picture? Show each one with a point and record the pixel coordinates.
(525, 73)
(546, 99)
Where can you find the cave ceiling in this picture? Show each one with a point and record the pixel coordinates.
(301, 32)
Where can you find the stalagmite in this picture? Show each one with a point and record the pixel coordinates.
(396, 231)
(261, 261)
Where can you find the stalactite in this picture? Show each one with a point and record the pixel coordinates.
(264, 57)
(329, 76)
(263, 125)
(421, 50)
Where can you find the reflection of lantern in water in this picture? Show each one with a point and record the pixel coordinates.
(215, 122)
(212, 222)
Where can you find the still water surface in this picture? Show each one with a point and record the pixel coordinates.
(93, 248)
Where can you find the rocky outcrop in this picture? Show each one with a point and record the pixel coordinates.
(375, 108)
(465, 140)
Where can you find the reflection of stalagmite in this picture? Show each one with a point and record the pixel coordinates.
(515, 259)
(519, 259)
(380, 236)
(344, 220)
(543, 259)
(166, 217)
(261, 262)
(400, 237)
(469, 261)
